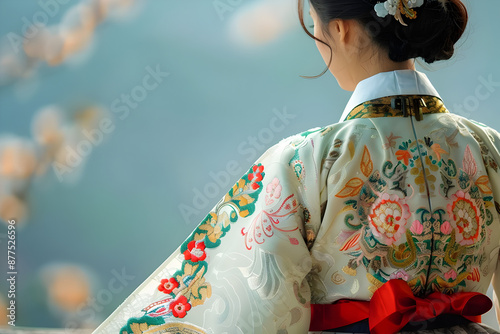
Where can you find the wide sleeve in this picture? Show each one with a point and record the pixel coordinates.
(243, 269)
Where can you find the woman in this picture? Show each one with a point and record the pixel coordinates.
(386, 221)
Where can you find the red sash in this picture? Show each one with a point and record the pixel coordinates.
(393, 306)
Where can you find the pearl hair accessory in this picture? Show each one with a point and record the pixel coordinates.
(398, 8)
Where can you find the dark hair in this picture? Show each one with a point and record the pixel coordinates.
(431, 35)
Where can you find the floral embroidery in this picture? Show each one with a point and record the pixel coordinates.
(179, 307)
(213, 230)
(195, 251)
(391, 141)
(388, 218)
(451, 275)
(436, 148)
(378, 231)
(404, 155)
(192, 289)
(266, 222)
(466, 219)
(470, 166)
(274, 188)
(256, 176)
(446, 228)
(273, 191)
(167, 285)
(400, 274)
(417, 228)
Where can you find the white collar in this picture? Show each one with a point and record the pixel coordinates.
(401, 82)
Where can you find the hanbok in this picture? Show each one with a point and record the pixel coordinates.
(388, 218)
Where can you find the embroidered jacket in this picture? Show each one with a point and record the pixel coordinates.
(400, 188)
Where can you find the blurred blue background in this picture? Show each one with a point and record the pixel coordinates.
(147, 154)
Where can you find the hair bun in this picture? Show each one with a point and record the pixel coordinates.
(431, 36)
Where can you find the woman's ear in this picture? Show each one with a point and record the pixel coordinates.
(340, 30)
(349, 37)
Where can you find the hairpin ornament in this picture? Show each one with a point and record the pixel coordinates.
(398, 8)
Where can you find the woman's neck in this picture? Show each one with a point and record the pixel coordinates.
(372, 68)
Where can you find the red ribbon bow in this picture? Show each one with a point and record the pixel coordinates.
(393, 306)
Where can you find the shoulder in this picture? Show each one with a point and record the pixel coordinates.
(322, 136)
(313, 152)
(484, 131)
(487, 138)
(313, 141)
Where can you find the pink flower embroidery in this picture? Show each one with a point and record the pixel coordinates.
(417, 228)
(167, 285)
(465, 218)
(195, 251)
(469, 163)
(273, 191)
(179, 307)
(451, 274)
(274, 188)
(388, 218)
(400, 274)
(446, 227)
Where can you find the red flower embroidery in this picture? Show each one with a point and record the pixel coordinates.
(167, 285)
(256, 176)
(195, 251)
(179, 307)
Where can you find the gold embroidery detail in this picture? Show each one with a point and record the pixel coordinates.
(374, 281)
(453, 250)
(349, 271)
(175, 328)
(405, 254)
(444, 284)
(382, 107)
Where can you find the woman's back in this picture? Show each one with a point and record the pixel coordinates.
(408, 199)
